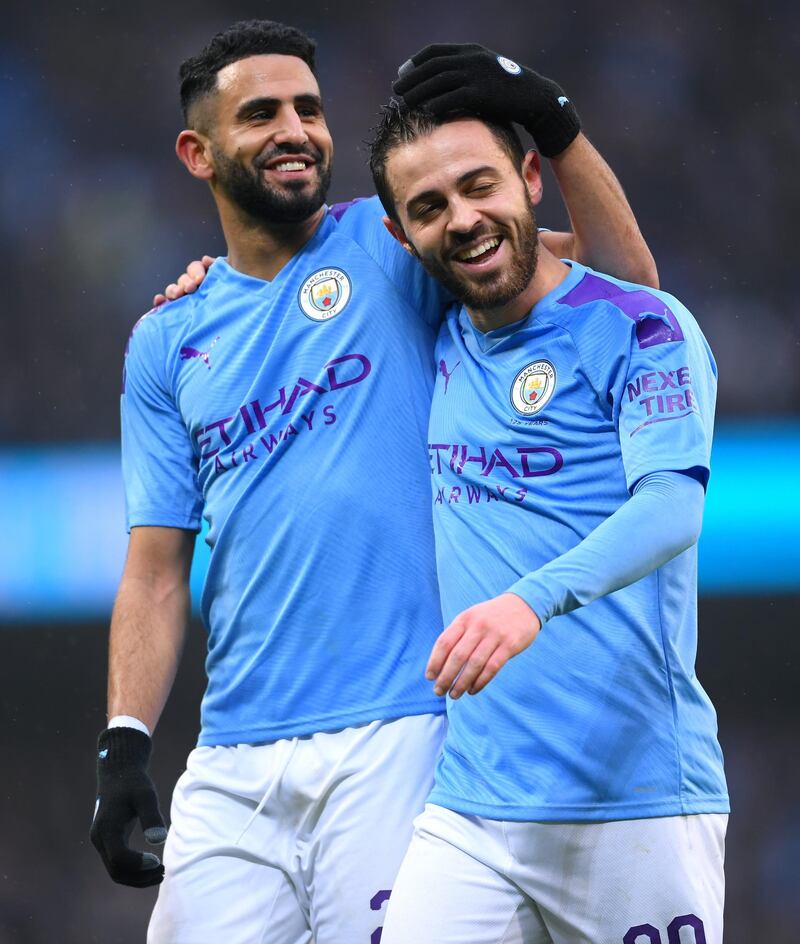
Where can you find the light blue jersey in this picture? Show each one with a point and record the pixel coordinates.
(539, 432)
(292, 415)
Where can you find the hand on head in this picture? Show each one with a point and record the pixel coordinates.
(468, 79)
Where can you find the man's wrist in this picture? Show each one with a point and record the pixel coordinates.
(572, 149)
(128, 721)
(556, 128)
(537, 594)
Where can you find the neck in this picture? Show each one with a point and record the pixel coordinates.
(262, 249)
(550, 272)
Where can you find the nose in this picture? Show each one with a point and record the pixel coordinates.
(290, 129)
(464, 217)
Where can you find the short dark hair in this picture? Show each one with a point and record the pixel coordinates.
(399, 125)
(198, 74)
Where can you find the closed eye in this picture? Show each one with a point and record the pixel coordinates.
(424, 211)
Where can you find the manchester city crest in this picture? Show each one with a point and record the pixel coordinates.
(533, 388)
(324, 294)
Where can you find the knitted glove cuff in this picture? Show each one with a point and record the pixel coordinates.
(123, 747)
(556, 128)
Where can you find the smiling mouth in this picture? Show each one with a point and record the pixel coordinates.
(291, 165)
(480, 252)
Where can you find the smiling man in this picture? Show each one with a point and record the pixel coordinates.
(286, 402)
(580, 796)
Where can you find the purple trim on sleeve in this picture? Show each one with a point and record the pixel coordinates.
(130, 338)
(655, 321)
(133, 329)
(338, 210)
(664, 419)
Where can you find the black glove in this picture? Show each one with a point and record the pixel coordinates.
(126, 793)
(465, 78)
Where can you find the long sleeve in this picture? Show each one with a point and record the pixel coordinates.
(660, 520)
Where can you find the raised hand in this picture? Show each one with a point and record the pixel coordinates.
(468, 79)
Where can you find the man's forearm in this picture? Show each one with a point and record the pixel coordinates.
(148, 629)
(605, 233)
(660, 520)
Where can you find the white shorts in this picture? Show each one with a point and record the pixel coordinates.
(294, 841)
(467, 880)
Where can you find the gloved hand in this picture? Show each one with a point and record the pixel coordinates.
(126, 793)
(458, 78)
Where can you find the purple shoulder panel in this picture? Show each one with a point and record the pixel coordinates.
(338, 210)
(130, 338)
(655, 321)
(133, 329)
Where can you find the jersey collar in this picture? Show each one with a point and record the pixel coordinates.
(489, 339)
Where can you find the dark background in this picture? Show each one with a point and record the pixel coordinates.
(696, 108)
(53, 889)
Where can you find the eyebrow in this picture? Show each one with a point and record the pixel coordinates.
(463, 179)
(264, 101)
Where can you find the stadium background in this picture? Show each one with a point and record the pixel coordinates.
(696, 108)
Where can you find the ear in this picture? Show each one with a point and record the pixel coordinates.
(532, 175)
(397, 231)
(193, 152)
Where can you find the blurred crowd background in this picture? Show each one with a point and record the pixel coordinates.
(696, 107)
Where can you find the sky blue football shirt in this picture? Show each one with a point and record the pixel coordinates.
(538, 433)
(293, 416)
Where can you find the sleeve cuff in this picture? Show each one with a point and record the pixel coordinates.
(537, 594)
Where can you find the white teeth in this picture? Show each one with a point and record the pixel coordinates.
(478, 250)
(291, 165)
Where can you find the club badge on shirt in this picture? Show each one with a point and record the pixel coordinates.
(324, 294)
(533, 388)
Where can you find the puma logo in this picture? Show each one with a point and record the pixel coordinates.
(187, 353)
(447, 374)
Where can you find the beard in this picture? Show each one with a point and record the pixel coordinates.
(497, 288)
(264, 203)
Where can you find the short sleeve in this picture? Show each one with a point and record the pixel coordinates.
(159, 467)
(664, 395)
(363, 222)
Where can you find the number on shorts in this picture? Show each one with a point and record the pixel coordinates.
(377, 901)
(686, 921)
(647, 934)
(635, 935)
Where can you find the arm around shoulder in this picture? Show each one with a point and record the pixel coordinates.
(471, 79)
(605, 234)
